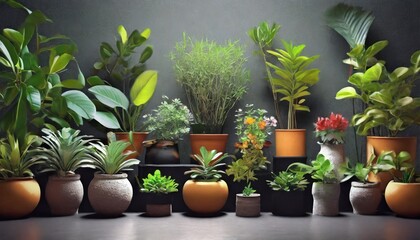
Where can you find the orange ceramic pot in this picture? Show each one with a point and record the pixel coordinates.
(205, 197)
(18, 197)
(403, 198)
(137, 146)
(210, 141)
(290, 142)
(396, 144)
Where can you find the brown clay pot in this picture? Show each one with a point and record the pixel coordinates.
(110, 194)
(248, 206)
(396, 144)
(18, 197)
(403, 198)
(205, 197)
(158, 210)
(365, 197)
(290, 142)
(64, 194)
(137, 146)
(210, 141)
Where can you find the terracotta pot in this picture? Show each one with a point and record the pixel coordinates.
(365, 197)
(210, 141)
(288, 203)
(162, 152)
(18, 197)
(137, 146)
(334, 153)
(326, 199)
(396, 144)
(403, 198)
(248, 206)
(110, 194)
(64, 194)
(205, 197)
(290, 142)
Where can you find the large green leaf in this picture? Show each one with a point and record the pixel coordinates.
(375, 48)
(8, 51)
(80, 104)
(95, 80)
(78, 83)
(373, 73)
(143, 88)
(58, 63)
(34, 98)
(146, 54)
(107, 120)
(347, 92)
(110, 96)
(14, 36)
(352, 23)
(123, 33)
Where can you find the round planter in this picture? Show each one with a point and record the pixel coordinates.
(396, 144)
(210, 141)
(365, 197)
(403, 198)
(334, 153)
(162, 152)
(205, 197)
(290, 142)
(18, 197)
(288, 203)
(64, 194)
(326, 199)
(110, 194)
(137, 146)
(248, 206)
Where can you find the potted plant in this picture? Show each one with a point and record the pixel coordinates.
(110, 192)
(329, 132)
(168, 123)
(64, 153)
(158, 189)
(325, 189)
(126, 88)
(288, 195)
(19, 191)
(214, 79)
(252, 128)
(206, 193)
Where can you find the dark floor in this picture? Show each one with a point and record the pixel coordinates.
(226, 227)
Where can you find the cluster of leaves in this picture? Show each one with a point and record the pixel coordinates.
(201, 67)
(209, 162)
(157, 183)
(66, 151)
(401, 162)
(288, 181)
(112, 158)
(321, 169)
(169, 121)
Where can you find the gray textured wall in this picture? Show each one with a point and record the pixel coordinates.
(90, 22)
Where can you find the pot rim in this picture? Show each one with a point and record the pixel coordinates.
(404, 184)
(291, 130)
(126, 133)
(100, 175)
(358, 184)
(71, 177)
(253, 195)
(17, 179)
(396, 138)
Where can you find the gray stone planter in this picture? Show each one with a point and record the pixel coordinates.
(326, 199)
(64, 194)
(365, 197)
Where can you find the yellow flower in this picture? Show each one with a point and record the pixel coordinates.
(249, 120)
(261, 125)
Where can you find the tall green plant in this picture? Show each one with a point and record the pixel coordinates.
(293, 78)
(32, 92)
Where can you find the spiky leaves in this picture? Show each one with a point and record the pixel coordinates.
(207, 170)
(288, 181)
(157, 183)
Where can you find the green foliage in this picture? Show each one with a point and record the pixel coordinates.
(66, 151)
(321, 169)
(248, 190)
(401, 162)
(112, 158)
(208, 162)
(16, 157)
(288, 181)
(293, 78)
(157, 183)
(214, 79)
(28, 86)
(169, 121)
(127, 87)
(352, 23)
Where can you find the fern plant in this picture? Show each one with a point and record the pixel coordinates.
(111, 159)
(157, 183)
(208, 162)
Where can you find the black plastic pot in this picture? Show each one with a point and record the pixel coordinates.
(162, 152)
(288, 203)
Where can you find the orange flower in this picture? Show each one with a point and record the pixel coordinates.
(249, 120)
(262, 125)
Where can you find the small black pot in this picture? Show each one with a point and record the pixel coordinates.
(158, 205)
(162, 152)
(288, 203)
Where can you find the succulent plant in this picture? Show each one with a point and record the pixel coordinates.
(288, 181)
(207, 170)
(157, 183)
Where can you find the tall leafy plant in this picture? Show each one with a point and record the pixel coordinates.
(28, 85)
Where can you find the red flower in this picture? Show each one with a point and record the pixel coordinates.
(321, 124)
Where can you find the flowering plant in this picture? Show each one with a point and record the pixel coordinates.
(331, 129)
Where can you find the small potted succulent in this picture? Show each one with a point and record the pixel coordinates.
(330, 132)
(206, 193)
(168, 123)
(19, 191)
(325, 189)
(253, 129)
(288, 195)
(158, 198)
(64, 153)
(110, 192)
